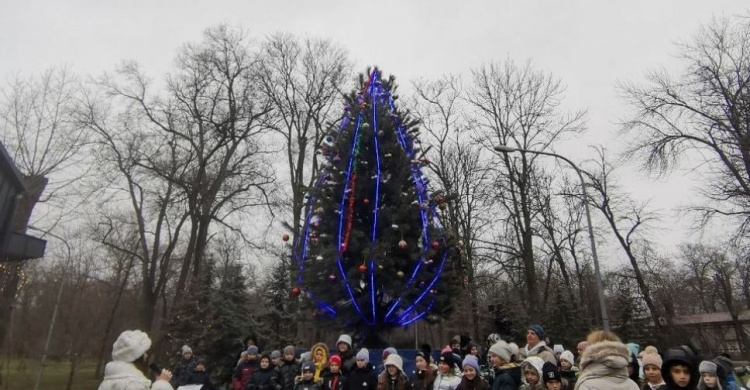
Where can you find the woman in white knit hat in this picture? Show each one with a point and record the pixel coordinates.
(129, 365)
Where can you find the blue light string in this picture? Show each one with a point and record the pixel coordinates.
(377, 193)
(420, 315)
(341, 220)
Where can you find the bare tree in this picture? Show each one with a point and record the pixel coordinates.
(38, 127)
(461, 172)
(626, 218)
(518, 106)
(705, 110)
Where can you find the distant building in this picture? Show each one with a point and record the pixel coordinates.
(15, 245)
(715, 332)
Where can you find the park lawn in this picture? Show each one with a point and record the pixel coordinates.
(55, 376)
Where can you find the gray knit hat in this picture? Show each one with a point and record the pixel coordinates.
(289, 349)
(708, 367)
(502, 350)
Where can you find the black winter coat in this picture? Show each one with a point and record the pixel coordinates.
(507, 377)
(348, 362)
(181, 372)
(422, 380)
(288, 372)
(264, 380)
(200, 378)
(362, 379)
(333, 381)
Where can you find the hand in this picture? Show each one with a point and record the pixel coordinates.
(165, 375)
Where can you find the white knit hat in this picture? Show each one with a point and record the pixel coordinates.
(130, 345)
(345, 338)
(394, 360)
(186, 349)
(568, 357)
(558, 348)
(533, 361)
(502, 350)
(363, 354)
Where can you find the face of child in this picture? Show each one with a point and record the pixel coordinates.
(343, 347)
(421, 363)
(531, 377)
(709, 380)
(474, 351)
(443, 367)
(252, 357)
(392, 370)
(307, 375)
(680, 375)
(334, 367)
(277, 360)
(264, 363)
(495, 360)
(553, 385)
(289, 357)
(455, 345)
(566, 365)
(653, 374)
(200, 367)
(470, 372)
(318, 355)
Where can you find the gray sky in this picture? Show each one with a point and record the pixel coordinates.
(589, 44)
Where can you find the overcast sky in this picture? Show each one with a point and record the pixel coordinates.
(589, 44)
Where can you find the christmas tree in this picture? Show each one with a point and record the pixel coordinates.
(373, 254)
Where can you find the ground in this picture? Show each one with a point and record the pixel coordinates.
(20, 374)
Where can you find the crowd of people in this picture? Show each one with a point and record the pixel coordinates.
(603, 362)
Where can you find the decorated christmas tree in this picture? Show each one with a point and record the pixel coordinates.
(373, 255)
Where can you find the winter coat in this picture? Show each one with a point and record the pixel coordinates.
(333, 381)
(125, 376)
(242, 374)
(348, 362)
(264, 380)
(528, 386)
(307, 385)
(422, 379)
(446, 382)
(362, 378)
(604, 365)
(538, 350)
(684, 356)
(386, 382)
(507, 377)
(570, 376)
(288, 371)
(200, 378)
(320, 365)
(477, 384)
(181, 371)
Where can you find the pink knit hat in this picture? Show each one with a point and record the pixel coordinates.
(653, 359)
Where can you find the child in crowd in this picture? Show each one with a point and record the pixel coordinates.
(307, 380)
(712, 376)
(446, 377)
(552, 378)
(471, 379)
(532, 372)
(392, 378)
(652, 364)
(288, 369)
(319, 355)
(265, 378)
(568, 370)
(333, 379)
(680, 370)
(363, 376)
(424, 374)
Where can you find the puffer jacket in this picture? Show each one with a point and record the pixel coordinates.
(477, 384)
(125, 376)
(507, 377)
(362, 378)
(446, 382)
(288, 372)
(386, 382)
(264, 379)
(605, 366)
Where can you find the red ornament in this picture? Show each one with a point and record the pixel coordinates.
(295, 291)
(285, 237)
(366, 201)
(362, 268)
(402, 244)
(435, 244)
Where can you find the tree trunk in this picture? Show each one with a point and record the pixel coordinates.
(110, 322)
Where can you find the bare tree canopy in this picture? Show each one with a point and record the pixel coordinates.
(703, 113)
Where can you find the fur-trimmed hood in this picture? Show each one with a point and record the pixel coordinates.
(605, 366)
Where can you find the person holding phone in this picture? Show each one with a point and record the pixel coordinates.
(129, 369)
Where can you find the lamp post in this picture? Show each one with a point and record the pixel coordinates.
(599, 288)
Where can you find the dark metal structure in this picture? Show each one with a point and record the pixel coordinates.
(14, 245)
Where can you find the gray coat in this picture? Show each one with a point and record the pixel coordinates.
(604, 366)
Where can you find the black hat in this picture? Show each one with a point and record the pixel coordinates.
(447, 358)
(550, 372)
